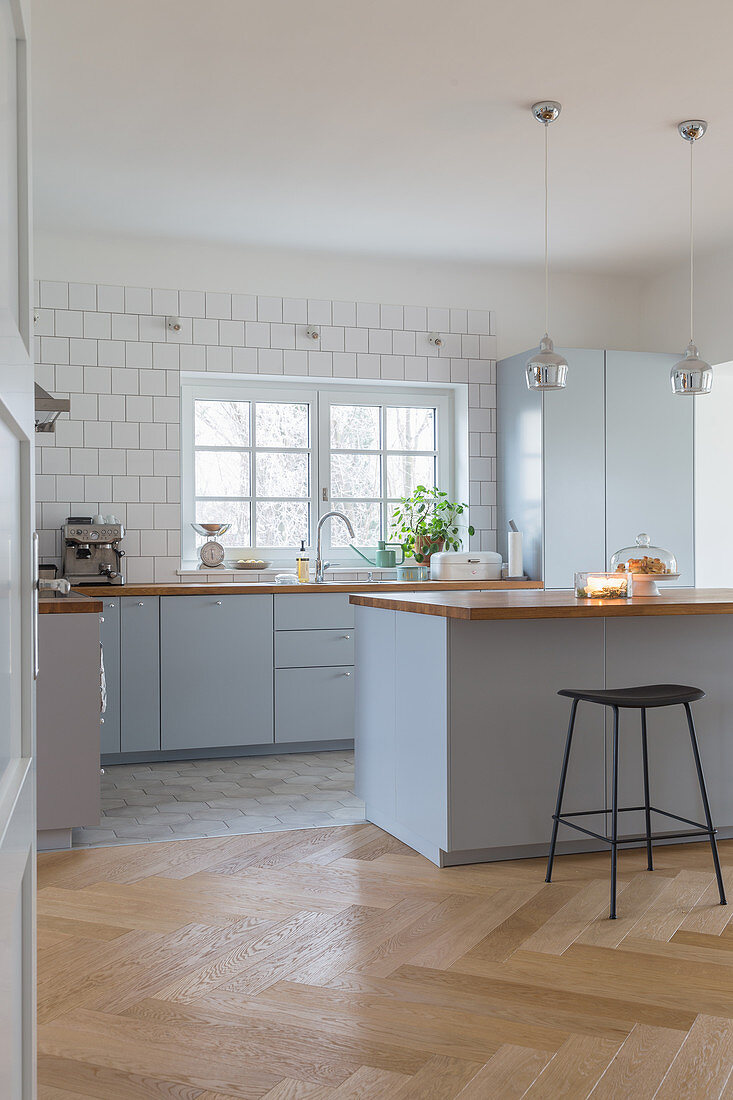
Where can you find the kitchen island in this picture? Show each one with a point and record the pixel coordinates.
(460, 731)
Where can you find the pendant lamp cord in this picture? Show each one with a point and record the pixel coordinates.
(692, 245)
(547, 267)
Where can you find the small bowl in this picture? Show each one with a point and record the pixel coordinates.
(260, 565)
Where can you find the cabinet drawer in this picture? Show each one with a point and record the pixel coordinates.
(314, 704)
(311, 648)
(314, 612)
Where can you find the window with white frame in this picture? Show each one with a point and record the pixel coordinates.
(270, 459)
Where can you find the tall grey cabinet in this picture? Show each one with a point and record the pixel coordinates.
(583, 470)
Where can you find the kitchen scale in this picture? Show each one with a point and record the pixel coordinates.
(211, 554)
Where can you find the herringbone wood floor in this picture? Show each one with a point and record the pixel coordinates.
(335, 964)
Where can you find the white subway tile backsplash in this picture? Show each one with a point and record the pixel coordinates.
(244, 360)
(152, 328)
(192, 303)
(392, 317)
(69, 322)
(218, 305)
(125, 434)
(97, 434)
(165, 303)
(138, 299)
(244, 307)
(269, 309)
(69, 379)
(166, 356)
(110, 349)
(111, 299)
(83, 351)
(110, 353)
(380, 341)
(54, 349)
(82, 296)
(138, 354)
(218, 358)
(84, 460)
(97, 326)
(192, 357)
(231, 333)
(295, 311)
(54, 295)
(98, 379)
(344, 314)
(113, 460)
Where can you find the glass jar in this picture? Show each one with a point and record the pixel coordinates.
(603, 586)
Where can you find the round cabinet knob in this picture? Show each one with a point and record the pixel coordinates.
(140, 604)
(345, 637)
(111, 605)
(101, 721)
(101, 618)
(347, 674)
(218, 603)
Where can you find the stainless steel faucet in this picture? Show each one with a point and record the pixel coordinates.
(322, 566)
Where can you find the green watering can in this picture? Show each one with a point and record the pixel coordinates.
(383, 558)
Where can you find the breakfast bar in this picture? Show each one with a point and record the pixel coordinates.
(460, 730)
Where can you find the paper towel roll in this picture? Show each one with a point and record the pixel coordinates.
(515, 563)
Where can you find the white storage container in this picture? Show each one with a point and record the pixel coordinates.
(469, 565)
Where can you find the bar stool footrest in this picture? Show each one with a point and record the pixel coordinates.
(698, 828)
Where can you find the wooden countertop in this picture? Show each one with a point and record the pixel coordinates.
(553, 605)
(260, 588)
(73, 604)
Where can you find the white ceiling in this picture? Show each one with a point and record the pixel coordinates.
(394, 126)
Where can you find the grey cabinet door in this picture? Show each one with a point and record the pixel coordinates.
(574, 471)
(139, 674)
(314, 704)
(649, 457)
(216, 671)
(110, 635)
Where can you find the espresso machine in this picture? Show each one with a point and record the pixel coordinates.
(91, 551)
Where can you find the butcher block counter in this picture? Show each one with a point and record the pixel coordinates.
(73, 604)
(460, 730)
(266, 588)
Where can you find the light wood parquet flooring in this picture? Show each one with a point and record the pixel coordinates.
(336, 964)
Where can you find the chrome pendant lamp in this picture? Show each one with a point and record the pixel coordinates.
(546, 370)
(692, 375)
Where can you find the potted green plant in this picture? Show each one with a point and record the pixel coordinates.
(426, 522)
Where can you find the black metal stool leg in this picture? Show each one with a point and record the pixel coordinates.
(647, 810)
(561, 790)
(614, 814)
(705, 803)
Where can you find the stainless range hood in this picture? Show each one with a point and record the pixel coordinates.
(48, 409)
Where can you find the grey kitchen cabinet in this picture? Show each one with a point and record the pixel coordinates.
(311, 648)
(649, 458)
(110, 637)
(139, 674)
(314, 704)
(216, 671)
(584, 470)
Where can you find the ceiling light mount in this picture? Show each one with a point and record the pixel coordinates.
(547, 110)
(693, 129)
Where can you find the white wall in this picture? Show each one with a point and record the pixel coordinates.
(713, 465)
(587, 310)
(665, 322)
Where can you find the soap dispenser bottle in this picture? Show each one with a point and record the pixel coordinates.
(303, 564)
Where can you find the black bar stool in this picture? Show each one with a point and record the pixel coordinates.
(643, 699)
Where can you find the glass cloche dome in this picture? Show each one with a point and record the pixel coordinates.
(647, 563)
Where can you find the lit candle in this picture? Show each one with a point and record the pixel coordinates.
(603, 586)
